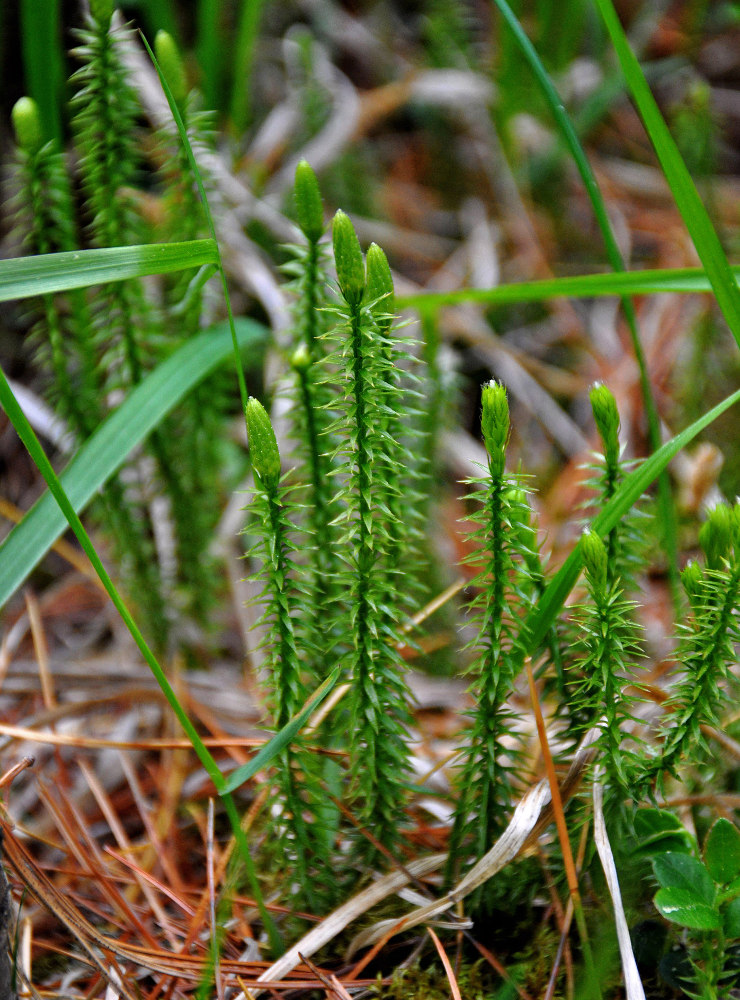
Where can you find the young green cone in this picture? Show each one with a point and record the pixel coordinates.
(171, 64)
(495, 424)
(27, 124)
(348, 259)
(308, 205)
(263, 445)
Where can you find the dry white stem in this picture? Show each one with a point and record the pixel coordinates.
(335, 923)
(632, 983)
(503, 851)
(523, 826)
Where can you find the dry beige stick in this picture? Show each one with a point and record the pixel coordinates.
(335, 923)
(530, 818)
(632, 984)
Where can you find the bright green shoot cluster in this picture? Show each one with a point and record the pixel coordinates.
(351, 414)
(706, 648)
(96, 347)
(356, 439)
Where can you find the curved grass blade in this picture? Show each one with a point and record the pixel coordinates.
(42, 463)
(540, 619)
(43, 60)
(29, 439)
(104, 453)
(45, 274)
(182, 131)
(282, 738)
(567, 131)
(689, 203)
(685, 280)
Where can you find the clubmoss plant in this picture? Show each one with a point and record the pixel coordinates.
(706, 649)
(45, 216)
(623, 543)
(378, 700)
(485, 789)
(301, 843)
(312, 413)
(109, 160)
(402, 437)
(194, 430)
(608, 650)
(68, 347)
(95, 346)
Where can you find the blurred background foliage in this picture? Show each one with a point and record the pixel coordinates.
(424, 124)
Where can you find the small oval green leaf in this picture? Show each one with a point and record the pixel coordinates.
(681, 871)
(731, 920)
(681, 906)
(659, 831)
(722, 851)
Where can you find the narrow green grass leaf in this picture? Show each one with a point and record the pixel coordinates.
(689, 203)
(183, 133)
(104, 453)
(41, 44)
(667, 519)
(29, 439)
(282, 738)
(18, 419)
(45, 274)
(684, 280)
(42, 463)
(243, 59)
(540, 619)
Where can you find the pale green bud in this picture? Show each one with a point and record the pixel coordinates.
(308, 206)
(263, 445)
(380, 285)
(300, 359)
(348, 259)
(102, 11)
(691, 578)
(27, 124)
(606, 416)
(715, 536)
(495, 424)
(171, 65)
(595, 559)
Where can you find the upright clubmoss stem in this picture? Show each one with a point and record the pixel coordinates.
(609, 649)
(301, 842)
(485, 778)
(606, 417)
(379, 700)
(707, 644)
